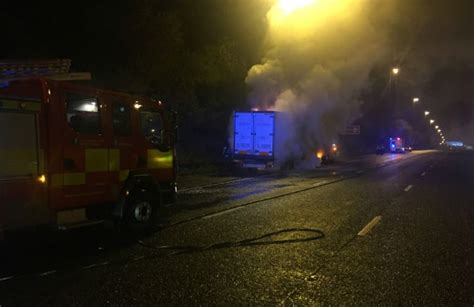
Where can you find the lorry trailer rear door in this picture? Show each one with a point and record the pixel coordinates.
(243, 133)
(264, 126)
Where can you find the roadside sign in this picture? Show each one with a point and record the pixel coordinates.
(351, 130)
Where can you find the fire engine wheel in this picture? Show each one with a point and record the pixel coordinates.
(140, 213)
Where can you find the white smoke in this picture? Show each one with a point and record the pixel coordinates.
(318, 59)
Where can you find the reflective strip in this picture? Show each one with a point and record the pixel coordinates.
(159, 159)
(18, 162)
(74, 178)
(59, 180)
(123, 175)
(71, 216)
(20, 105)
(114, 159)
(97, 160)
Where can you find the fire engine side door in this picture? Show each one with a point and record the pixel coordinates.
(84, 179)
(122, 148)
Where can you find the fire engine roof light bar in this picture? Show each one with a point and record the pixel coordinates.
(56, 69)
(16, 68)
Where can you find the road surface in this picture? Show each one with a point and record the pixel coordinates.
(392, 229)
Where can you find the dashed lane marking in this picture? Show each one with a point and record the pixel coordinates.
(6, 278)
(47, 273)
(369, 226)
(95, 265)
(408, 188)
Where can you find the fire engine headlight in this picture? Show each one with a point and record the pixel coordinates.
(41, 179)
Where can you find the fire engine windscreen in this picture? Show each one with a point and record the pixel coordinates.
(18, 145)
(151, 125)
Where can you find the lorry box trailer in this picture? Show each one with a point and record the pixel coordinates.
(253, 136)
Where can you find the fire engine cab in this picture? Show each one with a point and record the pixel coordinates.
(71, 154)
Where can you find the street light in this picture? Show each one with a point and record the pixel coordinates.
(439, 130)
(427, 113)
(289, 6)
(436, 127)
(416, 99)
(395, 70)
(432, 121)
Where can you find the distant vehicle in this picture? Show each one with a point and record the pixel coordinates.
(396, 145)
(379, 150)
(409, 148)
(74, 155)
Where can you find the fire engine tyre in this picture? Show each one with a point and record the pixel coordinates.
(140, 213)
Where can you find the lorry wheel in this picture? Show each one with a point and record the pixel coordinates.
(140, 213)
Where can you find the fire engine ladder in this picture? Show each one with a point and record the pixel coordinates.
(56, 69)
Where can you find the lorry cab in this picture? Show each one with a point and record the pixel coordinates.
(73, 154)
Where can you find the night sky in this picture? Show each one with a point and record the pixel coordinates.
(196, 53)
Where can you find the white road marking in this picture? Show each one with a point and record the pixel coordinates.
(47, 273)
(369, 226)
(424, 173)
(220, 213)
(95, 265)
(408, 188)
(6, 278)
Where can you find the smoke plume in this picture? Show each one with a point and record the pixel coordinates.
(318, 59)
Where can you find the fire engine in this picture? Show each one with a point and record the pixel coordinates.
(72, 154)
(396, 145)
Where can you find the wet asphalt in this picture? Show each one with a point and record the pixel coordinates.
(273, 238)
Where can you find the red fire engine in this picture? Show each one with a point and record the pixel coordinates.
(72, 154)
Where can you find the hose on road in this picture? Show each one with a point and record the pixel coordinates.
(316, 234)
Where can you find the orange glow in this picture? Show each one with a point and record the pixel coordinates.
(42, 179)
(320, 154)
